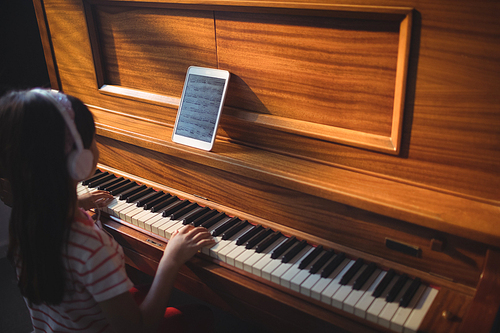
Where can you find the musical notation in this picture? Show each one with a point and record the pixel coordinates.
(200, 106)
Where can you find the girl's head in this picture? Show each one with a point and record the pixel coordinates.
(36, 143)
(38, 122)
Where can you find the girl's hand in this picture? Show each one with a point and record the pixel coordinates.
(184, 244)
(97, 199)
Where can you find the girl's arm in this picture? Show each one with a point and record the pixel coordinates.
(123, 313)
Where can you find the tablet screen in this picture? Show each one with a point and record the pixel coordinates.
(200, 107)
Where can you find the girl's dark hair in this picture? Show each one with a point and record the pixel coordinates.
(33, 160)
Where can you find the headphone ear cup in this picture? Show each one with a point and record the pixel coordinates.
(80, 164)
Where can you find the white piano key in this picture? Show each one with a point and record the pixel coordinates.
(378, 304)
(109, 208)
(252, 260)
(344, 290)
(135, 218)
(223, 252)
(289, 274)
(231, 256)
(249, 263)
(334, 285)
(238, 261)
(146, 218)
(152, 220)
(266, 259)
(314, 284)
(367, 299)
(268, 269)
(118, 208)
(385, 316)
(81, 188)
(206, 250)
(167, 228)
(165, 221)
(417, 315)
(355, 295)
(125, 213)
(133, 212)
(219, 245)
(303, 274)
(402, 314)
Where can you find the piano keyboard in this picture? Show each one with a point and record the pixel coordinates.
(391, 300)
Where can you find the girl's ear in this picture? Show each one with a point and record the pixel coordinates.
(5, 191)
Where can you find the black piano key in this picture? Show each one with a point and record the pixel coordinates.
(123, 188)
(294, 251)
(410, 292)
(117, 185)
(384, 283)
(167, 202)
(252, 242)
(214, 219)
(351, 272)
(235, 229)
(131, 191)
(157, 201)
(110, 183)
(268, 241)
(101, 180)
(283, 247)
(140, 194)
(186, 209)
(174, 207)
(222, 228)
(94, 177)
(203, 218)
(361, 280)
(321, 261)
(193, 215)
(333, 265)
(249, 234)
(310, 257)
(396, 288)
(150, 199)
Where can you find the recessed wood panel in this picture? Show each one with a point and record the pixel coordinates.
(152, 54)
(345, 69)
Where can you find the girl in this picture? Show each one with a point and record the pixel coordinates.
(71, 273)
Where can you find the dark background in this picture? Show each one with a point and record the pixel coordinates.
(22, 63)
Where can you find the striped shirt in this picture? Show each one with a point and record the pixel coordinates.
(95, 272)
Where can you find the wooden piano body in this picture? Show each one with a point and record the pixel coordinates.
(347, 124)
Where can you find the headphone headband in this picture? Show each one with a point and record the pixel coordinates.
(80, 162)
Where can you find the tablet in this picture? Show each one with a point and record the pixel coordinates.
(200, 108)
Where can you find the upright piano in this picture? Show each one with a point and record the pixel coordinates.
(364, 134)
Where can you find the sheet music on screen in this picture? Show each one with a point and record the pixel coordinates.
(200, 106)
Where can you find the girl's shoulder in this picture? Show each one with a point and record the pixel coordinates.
(86, 236)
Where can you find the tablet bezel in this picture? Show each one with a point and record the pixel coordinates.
(208, 72)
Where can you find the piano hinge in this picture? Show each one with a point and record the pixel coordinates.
(154, 243)
(199, 196)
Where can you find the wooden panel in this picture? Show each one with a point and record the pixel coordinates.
(152, 54)
(345, 69)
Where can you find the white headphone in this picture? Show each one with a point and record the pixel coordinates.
(80, 161)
